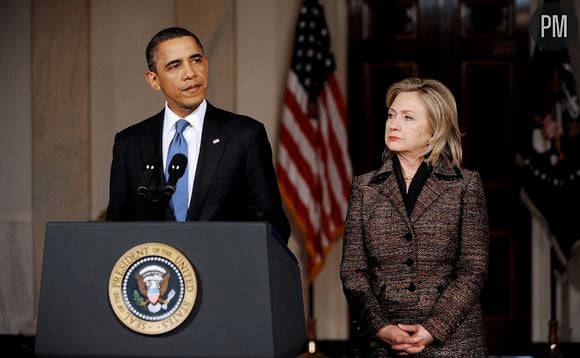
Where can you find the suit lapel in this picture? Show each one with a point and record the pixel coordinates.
(393, 194)
(430, 191)
(213, 143)
(390, 189)
(149, 143)
(151, 139)
(437, 182)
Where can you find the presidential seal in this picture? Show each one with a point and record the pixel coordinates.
(152, 288)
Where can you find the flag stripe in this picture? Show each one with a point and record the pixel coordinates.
(339, 149)
(296, 102)
(294, 204)
(296, 165)
(337, 111)
(299, 190)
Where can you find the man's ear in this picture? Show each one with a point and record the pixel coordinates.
(151, 78)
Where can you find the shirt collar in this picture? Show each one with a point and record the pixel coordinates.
(195, 118)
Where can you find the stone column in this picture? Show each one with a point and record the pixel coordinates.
(60, 118)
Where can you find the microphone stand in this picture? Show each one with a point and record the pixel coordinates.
(157, 200)
(157, 194)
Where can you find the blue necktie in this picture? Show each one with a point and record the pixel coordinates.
(181, 195)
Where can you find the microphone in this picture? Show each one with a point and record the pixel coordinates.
(152, 166)
(176, 169)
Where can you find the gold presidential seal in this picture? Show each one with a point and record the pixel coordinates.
(152, 288)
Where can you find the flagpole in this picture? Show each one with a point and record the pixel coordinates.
(311, 349)
(311, 320)
(553, 334)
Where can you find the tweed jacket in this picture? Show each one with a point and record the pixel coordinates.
(427, 267)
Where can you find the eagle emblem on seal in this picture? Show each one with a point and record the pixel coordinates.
(153, 281)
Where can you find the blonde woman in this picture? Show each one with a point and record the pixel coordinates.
(415, 251)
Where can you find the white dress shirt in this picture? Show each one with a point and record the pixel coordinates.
(192, 134)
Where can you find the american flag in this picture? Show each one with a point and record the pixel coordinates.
(313, 163)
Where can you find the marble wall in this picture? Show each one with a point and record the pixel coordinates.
(16, 244)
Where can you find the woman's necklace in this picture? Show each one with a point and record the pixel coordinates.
(409, 177)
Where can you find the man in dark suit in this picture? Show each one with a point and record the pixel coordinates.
(230, 175)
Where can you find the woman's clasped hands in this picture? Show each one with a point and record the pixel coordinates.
(405, 339)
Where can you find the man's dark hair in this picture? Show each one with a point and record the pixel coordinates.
(162, 36)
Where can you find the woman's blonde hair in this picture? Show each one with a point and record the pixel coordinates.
(441, 113)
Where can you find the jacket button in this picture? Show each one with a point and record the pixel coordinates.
(411, 287)
(440, 289)
(409, 262)
(408, 236)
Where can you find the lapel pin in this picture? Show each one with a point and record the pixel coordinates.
(216, 141)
